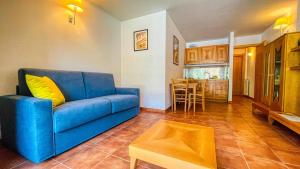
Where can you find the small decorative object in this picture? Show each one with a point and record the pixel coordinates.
(75, 6)
(141, 40)
(175, 50)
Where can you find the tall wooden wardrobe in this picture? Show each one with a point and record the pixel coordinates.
(277, 80)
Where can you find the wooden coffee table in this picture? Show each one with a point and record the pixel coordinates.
(175, 145)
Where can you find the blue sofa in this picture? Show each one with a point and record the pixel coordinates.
(93, 105)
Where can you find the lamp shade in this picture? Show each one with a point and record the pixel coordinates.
(281, 22)
(75, 5)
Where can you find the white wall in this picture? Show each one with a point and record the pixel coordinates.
(172, 71)
(37, 34)
(208, 42)
(239, 40)
(246, 40)
(270, 34)
(145, 69)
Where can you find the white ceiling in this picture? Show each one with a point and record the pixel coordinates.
(205, 19)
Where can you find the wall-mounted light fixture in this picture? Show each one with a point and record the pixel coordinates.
(281, 23)
(76, 7)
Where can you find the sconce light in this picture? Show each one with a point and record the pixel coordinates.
(75, 6)
(250, 54)
(281, 23)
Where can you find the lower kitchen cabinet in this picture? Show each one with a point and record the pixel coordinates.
(217, 90)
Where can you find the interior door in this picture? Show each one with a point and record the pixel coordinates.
(237, 75)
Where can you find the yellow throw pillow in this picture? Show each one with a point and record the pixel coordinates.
(45, 88)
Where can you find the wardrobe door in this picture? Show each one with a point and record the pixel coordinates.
(266, 76)
(277, 68)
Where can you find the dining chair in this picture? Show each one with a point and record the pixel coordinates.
(180, 92)
(200, 94)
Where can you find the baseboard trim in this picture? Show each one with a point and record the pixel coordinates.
(154, 110)
(248, 97)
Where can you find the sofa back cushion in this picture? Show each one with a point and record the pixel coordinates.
(98, 84)
(69, 82)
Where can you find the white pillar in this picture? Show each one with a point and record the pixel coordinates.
(231, 51)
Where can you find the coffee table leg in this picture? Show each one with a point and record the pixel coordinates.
(133, 162)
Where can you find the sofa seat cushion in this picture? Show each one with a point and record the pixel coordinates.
(76, 113)
(122, 102)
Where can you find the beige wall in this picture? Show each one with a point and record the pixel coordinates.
(271, 34)
(36, 33)
(145, 69)
(172, 70)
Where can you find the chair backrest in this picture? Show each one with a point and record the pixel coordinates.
(201, 85)
(180, 84)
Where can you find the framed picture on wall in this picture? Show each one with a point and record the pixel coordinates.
(175, 50)
(141, 40)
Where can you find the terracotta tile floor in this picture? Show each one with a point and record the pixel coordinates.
(243, 140)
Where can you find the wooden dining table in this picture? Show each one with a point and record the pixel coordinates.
(192, 86)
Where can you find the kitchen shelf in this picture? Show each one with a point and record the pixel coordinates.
(295, 67)
(296, 49)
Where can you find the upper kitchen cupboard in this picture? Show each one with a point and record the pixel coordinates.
(217, 54)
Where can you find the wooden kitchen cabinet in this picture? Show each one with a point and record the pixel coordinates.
(191, 56)
(222, 53)
(221, 90)
(209, 90)
(207, 55)
(216, 90)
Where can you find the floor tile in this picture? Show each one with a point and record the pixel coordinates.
(85, 159)
(126, 134)
(122, 152)
(288, 156)
(148, 165)
(230, 160)
(66, 155)
(45, 165)
(60, 166)
(110, 144)
(281, 143)
(112, 162)
(258, 150)
(261, 163)
(96, 139)
(9, 158)
(292, 166)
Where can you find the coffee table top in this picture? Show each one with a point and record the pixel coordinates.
(176, 145)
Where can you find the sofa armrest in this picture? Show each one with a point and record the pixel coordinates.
(133, 91)
(27, 126)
